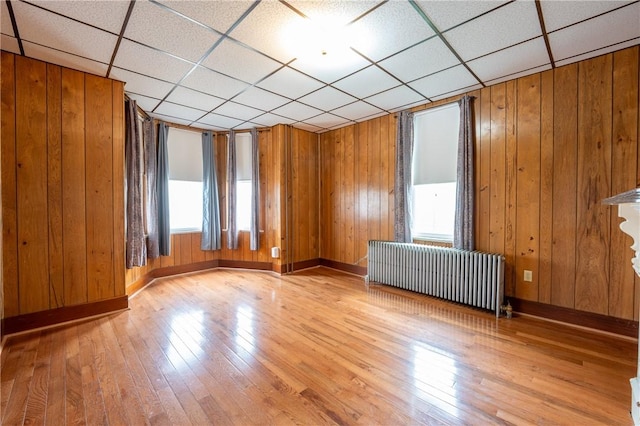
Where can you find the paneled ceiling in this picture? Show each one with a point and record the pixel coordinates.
(239, 64)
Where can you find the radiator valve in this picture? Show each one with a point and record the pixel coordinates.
(507, 309)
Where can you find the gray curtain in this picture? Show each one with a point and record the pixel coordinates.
(255, 192)
(211, 230)
(232, 228)
(136, 244)
(463, 237)
(402, 187)
(162, 184)
(151, 167)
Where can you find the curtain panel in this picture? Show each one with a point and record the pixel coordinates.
(255, 192)
(151, 168)
(232, 227)
(211, 229)
(162, 185)
(136, 244)
(463, 233)
(402, 187)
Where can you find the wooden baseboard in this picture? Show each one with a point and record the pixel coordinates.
(51, 317)
(580, 318)
(297, 266)
(345, 267)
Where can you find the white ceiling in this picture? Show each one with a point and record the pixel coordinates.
(232, 64)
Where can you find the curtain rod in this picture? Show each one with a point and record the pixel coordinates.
(196, 129)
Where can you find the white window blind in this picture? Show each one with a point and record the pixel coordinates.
(435, 145)
(185, 155)
(244, 163)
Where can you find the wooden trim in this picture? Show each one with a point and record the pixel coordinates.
(345, 267)
(573, 316)
(296, 266)
(50, 317)
(244, 264)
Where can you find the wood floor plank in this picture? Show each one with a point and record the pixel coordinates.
(315, 347)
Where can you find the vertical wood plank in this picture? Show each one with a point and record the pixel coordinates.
(483, 173)
(348, 196)
(528, 186)
(497, 178)
(373, 198)
(385, 164)
(511, 185)
(565, 163)
(546, 186)
(54, 183)
(9, 186)
(197, 254)
(391, 174)
(31, 160)
(118, 187)
(363, 199)
(314, 193)
(594, 180)
(99, 187)
(624, 158)
(73, 188)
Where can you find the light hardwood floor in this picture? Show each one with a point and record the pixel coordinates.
(316, 347)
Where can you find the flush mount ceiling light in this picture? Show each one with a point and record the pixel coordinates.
(320, 40)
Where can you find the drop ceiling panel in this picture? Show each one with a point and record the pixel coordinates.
(218, 15)
(512, 60)
(506, 26)
(270, 119)
(213, 83)
(598, 52)
(446, 14)
(308, 127)
(392, 27)
(10, 44)
(395, 97)
(219, 121)
(421, 60)
(260, 99)
(327, 98)
(141, 84)
(144, 102)
(44, 28)
(297, 111)
(596, 33)
(153, 63)
(180, 111)
(107, 15)
(231, 58)
(519, 74)
(559, 14)
(356, 111)
(326, 120)
(171, 119)
(340, 12)
(444, 82)
(241, 112)
(456, 92)
(328, 68)
(271, 39)
(188, 97)
(367, 82)
(161, 29)
(5, 21)
(63, 59)
(290, 83)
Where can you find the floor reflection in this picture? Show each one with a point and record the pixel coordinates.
(434, 374)
(186, 337)
(244, 336)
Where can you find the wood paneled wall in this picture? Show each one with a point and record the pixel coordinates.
(549, 148)
(62, 186)
(356, 181)
(288, 180)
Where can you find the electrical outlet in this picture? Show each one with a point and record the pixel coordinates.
(528, 276)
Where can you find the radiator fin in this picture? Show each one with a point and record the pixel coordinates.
(469, 277)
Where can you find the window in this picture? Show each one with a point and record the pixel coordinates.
(185, 180)
(435, 147)
(244, 163)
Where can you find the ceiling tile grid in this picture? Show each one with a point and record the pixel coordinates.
(238, 64)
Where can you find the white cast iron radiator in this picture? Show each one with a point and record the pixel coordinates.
(468, 277)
